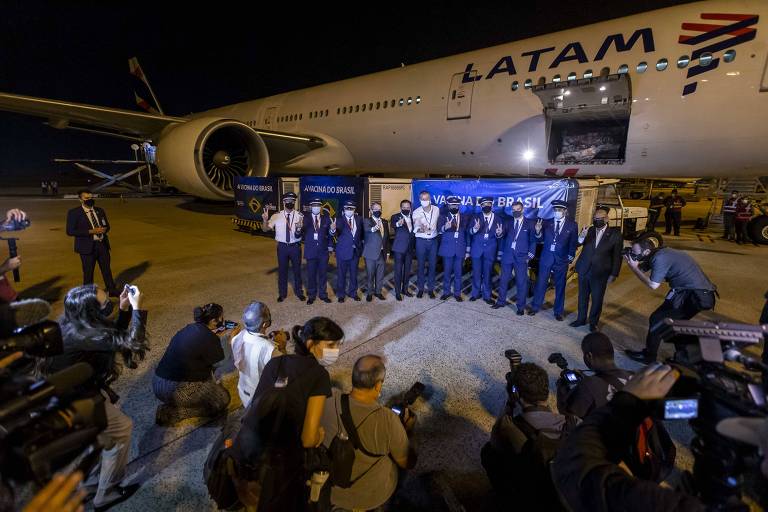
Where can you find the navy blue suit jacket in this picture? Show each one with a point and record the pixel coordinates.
(480, 245)
(449, 244)
(316, 248)
(347, 246)
(525, 243)
(78, 226)
(404, 240)
(567, 241)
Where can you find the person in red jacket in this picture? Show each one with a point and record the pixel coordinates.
(743, 215)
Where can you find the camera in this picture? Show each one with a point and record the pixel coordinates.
(15, 225)
(407, 399)
(569, 376)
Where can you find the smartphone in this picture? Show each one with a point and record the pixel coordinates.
(130, 289)
(397, 410)
(229, 324)
(681, 409)
(571, 376)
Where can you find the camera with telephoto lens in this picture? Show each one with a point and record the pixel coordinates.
(709, 391)
(570, 377)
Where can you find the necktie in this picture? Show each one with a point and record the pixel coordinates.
(317, 225)
(288, 229)
(349, 221)
(487, 224)
(94, 222)
(517, 228)
(557, 227)
(454, 222)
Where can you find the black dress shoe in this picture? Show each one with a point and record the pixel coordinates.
(310, 301)
(325, 299)
(497, 306)
(532, 312)
(301, 297)
(280, 299)
(514, 298)
(577, 323)
(368, 298)
(520, 311)
(431, 295)
(419, 295)
(399, 297)
(380, 296)
(489, 302)
(120, 495)
(407, 293)
(458, 298)
(356, 298)
(341, 299)
(472, 299)
(641, 356)
(445, 296)
(593, 328)
(559, 318)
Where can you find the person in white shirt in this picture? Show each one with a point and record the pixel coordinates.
(425, 229)
(287, 225)
(252, 348)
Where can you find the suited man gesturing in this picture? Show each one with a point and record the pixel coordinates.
(89, 226)
(598, 264)
(375, 251)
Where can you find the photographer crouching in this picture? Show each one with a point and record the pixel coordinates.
(90, 336)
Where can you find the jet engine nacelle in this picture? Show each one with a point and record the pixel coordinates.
(203, 156)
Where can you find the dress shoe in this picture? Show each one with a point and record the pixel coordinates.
(399, 297)
(380, 296)
(497, 306)
(473, 299)
(577, 323)
(419, 295)
(431, 295)
(489, 302)
(356, 298)
(520, 311)
(458, 298)
(310, 301)
(407, 293)
(445, 296)
(559, 318)
(325, 299)
(280, 299)
(341, 300)
(641, 356)
(115, 496)
(368, 298)
(532, 312)
(593, 328)
(301, 297)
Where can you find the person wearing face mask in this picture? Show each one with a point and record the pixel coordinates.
(403, 247)
(383, 435)
(89, 226)
(674, 213)
(183, 380)
(486, 229)
(730, 206)
(518, 248)
(654, 210)
(89, 335)
(375, 251)
(349, 248)
(598, 264)
(298, 384)
(316, 228)
(690, 292)
(454, 246)
(744, 213)
(425, 227)
(286, 224)
(560, 238)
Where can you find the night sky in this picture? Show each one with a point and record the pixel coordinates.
(199, 57)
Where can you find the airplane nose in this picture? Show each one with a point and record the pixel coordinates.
(221, 158)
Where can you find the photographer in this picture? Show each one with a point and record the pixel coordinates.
(7, 293)
(382, 434)
(691, 291)
(592, 391)
(183, 380)
(90, 336)
(523, 441)
(585, 469)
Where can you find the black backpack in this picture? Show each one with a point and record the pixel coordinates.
(343, 446)
(219, 468)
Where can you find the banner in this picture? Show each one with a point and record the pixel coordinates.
(332, 191)
(535, 194)
(252, 195)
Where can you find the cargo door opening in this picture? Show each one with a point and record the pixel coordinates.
(587, 120)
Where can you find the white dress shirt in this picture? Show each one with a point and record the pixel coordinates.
(278, 222)
(251, 353)
(427, 221)
(599, 234)
(90, 214)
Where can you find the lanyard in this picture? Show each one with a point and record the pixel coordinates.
(431, 212)
(490, 223)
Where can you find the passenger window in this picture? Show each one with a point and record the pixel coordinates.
(515, 85)
(418, 99)
(326, 112)
(378, 105)
(301, 116)
(605, 71)
(357, 108)
(385, 104)
(338, 111)
(410, 100)
(528, 83)
(642, 66)
(363, 107)
(556, 78)
(542, 80)
(401, 102)
(350, 109)
(571, 76)
(729, 56)
(392, 103)
(705, 59)
(588, 73)
(662, 64)
(683, 61)
(623, 69)
(370, 106)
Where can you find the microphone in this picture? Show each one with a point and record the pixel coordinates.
(57, 384)
(749, 363)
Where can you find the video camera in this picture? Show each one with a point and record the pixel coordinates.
(14, 225)
(722, 467)
(570, 377)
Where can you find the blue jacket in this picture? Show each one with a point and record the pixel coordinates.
(525, 243)
(567, 240)
(404, 240)
(450, 245)
(482, 246)
(347, 246)
(315, 248)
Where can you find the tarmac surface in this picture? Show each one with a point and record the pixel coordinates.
(183, 253)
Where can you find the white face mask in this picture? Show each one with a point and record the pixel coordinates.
(330, 355)
(424, 204)
(349, 213)
(315, 210)
(559, 215)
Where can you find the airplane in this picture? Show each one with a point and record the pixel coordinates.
(680, 91)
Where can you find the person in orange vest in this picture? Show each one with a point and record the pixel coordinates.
(674, 213)
(743, 215)
(729, 216)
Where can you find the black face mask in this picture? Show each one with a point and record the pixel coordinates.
(598, 223)
(639, 257)
(89, 203)
(289, 206)
(107, 308)
(376, 214)
(517, 214)
(487, 209)
(405, 212)
(453, 209)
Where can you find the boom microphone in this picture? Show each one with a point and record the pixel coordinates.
(41, 340)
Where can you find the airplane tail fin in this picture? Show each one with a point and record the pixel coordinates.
(135, 69)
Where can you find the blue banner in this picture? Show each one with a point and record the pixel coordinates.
(535, 194)
(332, 191)
(252, 195)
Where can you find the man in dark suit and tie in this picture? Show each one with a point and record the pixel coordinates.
(486, 228)
(560, 237)
(315, 229)
(88, 224)
(403, 248)
(598, 264)
(349, 246)
(518, 248)
(454, 246)
(375, 251)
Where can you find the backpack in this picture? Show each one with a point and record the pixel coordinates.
(219, 468)
(343, 446)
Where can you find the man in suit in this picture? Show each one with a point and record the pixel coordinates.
(315, 229)
(560, 237)
(288, 238)
(454, 247)
(486, 228)
(598, 264)
(517, 249)
(403, 247)
(349, 247)
(375, 251)
(89, 225)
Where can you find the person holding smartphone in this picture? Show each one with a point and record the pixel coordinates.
(184, 380)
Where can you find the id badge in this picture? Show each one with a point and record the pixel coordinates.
(485, 236)
(514, 245)
(552, 247)
(456, 235)
(316, 236)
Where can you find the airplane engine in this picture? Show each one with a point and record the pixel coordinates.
(203, 156)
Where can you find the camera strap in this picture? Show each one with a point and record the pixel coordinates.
(349, 426)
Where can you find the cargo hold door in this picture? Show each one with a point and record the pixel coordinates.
(587, 119)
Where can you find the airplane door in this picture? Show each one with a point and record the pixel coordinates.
(269, 117)
(460, 96)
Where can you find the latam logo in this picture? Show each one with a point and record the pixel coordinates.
(711, 35)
